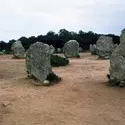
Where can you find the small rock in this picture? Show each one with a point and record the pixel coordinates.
(46, 82)
(5, 104)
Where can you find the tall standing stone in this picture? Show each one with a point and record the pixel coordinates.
(93, 49)
(105, 47)
(71, 49)
(52, 49)
(117, 63)
(18, 50)
(38, 65)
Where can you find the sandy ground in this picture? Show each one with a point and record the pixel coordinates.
(81, 98)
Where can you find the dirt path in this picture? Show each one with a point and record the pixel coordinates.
(82, 98)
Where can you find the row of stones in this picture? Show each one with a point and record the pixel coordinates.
(38, 58)
(71, 49)
(104, 47)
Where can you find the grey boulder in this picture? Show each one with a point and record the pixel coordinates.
(18, 50)
(117, 63)
(52, 49)
(38, 65)
(93, 49)
(71, 49)
(105, 47)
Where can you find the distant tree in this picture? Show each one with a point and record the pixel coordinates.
(3, 45)
(32, 39)
(58, 40)
(63, 33)
(116, 39)
(64, 36)
(52, 39)
(91, 33)
(40, 38)
(9, 44)
(81, 33)
(50, 33)
(24, 41)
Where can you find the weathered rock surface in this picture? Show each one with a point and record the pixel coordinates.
(59, 50)
(117, 63)
(18, 50)
(38, 58)
(105, 47)
(80, 49)
(71, 49)
(93, 49)
(58, 61)
(52, 49)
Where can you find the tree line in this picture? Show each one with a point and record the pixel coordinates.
(59, 39)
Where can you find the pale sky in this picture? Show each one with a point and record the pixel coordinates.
(34, 17)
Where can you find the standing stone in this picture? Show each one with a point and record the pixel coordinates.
(80, 49)
(90, 47)
(71, 49)
(4, 51)
(59, 50)
(122, 37)
(105, 47)
(117, 63)
(38, 65)
(93, 49)
(52, 49)
(1, 53)
(18, 50)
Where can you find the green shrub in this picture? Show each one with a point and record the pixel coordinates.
(78, 56)
(52, 77)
